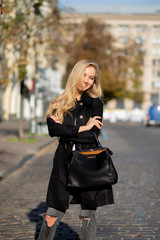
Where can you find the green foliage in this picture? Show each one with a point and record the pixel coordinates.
(19, 19)
(22, 72)
(26, 140)
(5, 25)
(138, 95)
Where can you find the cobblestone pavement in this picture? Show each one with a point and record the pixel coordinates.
(135, 214)
(14, 154)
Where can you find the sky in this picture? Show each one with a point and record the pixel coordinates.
(112, 6)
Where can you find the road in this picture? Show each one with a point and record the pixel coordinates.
(135, 214)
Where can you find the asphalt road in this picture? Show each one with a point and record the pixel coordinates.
(136, 212)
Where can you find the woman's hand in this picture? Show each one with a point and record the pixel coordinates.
(91, 123)
(94, 122)
(55, 118)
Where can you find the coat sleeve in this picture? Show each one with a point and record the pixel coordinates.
(96, 111)
(60, 130)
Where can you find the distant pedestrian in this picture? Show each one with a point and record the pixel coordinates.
(74, 116)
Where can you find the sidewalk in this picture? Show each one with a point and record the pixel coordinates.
(14, 154)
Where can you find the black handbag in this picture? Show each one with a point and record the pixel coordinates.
(92, 169)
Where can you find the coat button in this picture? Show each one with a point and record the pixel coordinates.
(81, 103)
(81, 116)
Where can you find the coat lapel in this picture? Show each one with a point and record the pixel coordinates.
(85, 98)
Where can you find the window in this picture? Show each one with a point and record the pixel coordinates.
(154, 51)
(108, 51)
(156, 62)
(152, 84)
(156, 28)
(120, 28)
(126, 28)
(123, 28)
(138, 28)
(120, 39)
(143, 39)
(123, 39)
(142, 49)
(140, 40)
(153, 73)
(153, 62)
(154, 98)
(154, 40)
(156, 84)
(109, 28)
(136, 52)
(137, 105)
(120, 104)
(141, 28)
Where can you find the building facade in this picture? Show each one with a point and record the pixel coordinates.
(144, 29)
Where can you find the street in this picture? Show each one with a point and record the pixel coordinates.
(136, 212)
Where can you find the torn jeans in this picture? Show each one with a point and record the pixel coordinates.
(88, 226)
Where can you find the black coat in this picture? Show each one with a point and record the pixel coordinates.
(58, 194)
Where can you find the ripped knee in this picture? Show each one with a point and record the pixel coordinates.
(50, 221)
(87, 219)
(84, 218)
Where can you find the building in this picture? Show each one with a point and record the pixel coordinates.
(145, 30)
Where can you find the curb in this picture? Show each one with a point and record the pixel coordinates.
(24, 160)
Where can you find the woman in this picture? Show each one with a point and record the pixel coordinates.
(74, 116)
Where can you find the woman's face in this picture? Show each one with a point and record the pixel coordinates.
(88, 79)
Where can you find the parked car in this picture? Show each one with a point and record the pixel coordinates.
(153, 116)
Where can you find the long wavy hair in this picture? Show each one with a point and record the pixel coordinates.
(67, 100)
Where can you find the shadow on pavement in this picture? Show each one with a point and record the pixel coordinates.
(63, 232)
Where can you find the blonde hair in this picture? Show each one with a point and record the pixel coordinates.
(66, 100)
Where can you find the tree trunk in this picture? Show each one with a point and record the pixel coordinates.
(21, 133)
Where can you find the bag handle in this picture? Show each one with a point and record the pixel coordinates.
(98, 142)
